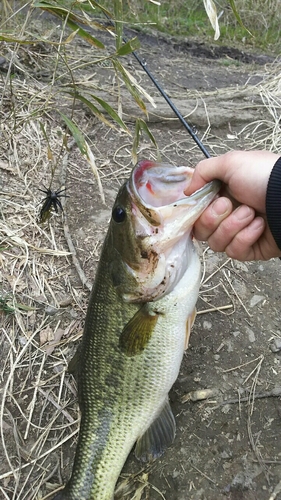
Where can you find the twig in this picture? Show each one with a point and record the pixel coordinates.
(276, 491)
(216, 271)
(276, 392)
(212, 309)
(202, 473)
(32, 406)
(51, 399)
(72, 249)
(241, 366)
(252, 397)
(48, 452)
(236, 294)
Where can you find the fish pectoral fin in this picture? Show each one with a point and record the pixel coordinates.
(158, 436)
(189, 325)
(137, 333)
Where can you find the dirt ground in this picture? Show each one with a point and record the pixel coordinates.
(228, 445)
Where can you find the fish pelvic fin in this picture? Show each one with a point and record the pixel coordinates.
(159, 436)
(138, 331)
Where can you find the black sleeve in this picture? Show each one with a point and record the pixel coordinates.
(273, 202)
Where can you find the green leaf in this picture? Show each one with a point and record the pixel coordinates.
(8, 306)
(12, 39)
(136, 142)
(93, 108)
(133, 91)
(98, 6)
(128, 47)
(50, 154)
(146, 130)
(118, 16)
(76, 133)
(85, 35)
(23, 307)
(71, 20)
(236, 13)
(114, 115)
(139, 127)
(58, 10)
(5, 307)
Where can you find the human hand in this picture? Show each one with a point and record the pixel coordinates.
(236, 222)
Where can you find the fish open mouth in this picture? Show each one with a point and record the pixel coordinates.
(158, 188)
(160, 184)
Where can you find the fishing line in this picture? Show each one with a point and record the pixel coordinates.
(189, 129)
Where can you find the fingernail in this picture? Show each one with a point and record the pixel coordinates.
(257, 224)
(243, 212)
(221, 206)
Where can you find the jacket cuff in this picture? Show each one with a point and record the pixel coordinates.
(273, 202)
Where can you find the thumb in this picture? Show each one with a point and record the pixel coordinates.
(206, 171)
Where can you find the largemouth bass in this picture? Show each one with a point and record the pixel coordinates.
(137, 326)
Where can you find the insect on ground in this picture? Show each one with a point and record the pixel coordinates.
(52, 200)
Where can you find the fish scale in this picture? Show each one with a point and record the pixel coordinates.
(112, 389)
(130, 354)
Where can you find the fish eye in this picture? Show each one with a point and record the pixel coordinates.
(118, 214)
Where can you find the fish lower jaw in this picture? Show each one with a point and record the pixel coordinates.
(155, 283)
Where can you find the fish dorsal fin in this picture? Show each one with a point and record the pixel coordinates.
(137, 332)
(158, 436)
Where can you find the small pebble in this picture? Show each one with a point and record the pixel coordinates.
(51, 310)
(73, 313)
(275, 345)
(66, 301)
(256, 299)
(242, 266)
(235, 334)
(251, 334)
(226, 408)
(207, 325)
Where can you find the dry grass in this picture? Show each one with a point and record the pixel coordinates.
(36, 282)
(266, 133)
(39, 411)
